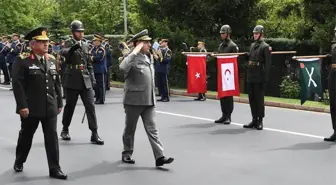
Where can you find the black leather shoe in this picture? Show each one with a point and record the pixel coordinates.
(227, 121)
(18, 167)
(220, 120)
(332, 138)
(95, 139)
(65, 135)
(259, 125)
(57, 174)
(252, 124)
(127, 159)
(163, 160)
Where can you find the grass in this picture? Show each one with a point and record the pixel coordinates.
(267, 98)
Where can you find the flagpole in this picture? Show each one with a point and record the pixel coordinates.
(195, 53)
(312, 56)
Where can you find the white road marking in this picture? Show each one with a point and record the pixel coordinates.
(238, 124)
(5, 88)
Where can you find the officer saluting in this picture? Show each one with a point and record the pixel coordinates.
(259, 65)
(78, 80)
(99, 67)
(37, 91)
(139, 98)
(332, 89)
(227, 46)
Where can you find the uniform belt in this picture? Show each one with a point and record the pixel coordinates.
(333, 66)
(253, 63)
(75, 66)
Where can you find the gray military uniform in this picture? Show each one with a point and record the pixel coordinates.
(139, 100)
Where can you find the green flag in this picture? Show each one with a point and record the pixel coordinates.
(310, 77)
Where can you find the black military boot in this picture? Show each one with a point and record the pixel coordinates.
(65, 135)
(260, 124)
(221, 119)
(252, 124)
(227, 120)
(332, 138)
(95, 139)
(163, 160)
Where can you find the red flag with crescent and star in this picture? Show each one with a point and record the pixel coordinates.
(196, 74)
(228, 80)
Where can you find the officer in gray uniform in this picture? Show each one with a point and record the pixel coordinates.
(332, 89)
(139, 98)
(259, 65)
(227, 46)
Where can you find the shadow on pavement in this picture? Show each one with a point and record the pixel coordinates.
(308, 146)
(105, 168)
(198, 125)
(229, 131)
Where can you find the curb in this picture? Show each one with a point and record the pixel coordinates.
(245, 100)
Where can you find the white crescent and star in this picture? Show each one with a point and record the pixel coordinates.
(198, 75)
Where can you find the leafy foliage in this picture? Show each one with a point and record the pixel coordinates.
(289, 88)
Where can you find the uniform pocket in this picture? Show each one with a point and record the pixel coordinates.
(35, 72)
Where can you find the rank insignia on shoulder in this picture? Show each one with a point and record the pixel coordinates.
(50, 56)
(24, 55)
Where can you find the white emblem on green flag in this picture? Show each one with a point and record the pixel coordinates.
(310, 78)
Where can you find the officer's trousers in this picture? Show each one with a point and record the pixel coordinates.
(147, 114)
(332, 96)
(256, 99)
(69, 108)
(4, 69)
(226, 106)
(100, 87)
(26, 134)
(163, 85)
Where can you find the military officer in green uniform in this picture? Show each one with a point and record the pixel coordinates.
(259, 65)
(227, 46)
(37, 91)
(139, 98)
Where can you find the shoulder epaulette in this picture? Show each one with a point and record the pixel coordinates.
(24, 55)
(51, 56)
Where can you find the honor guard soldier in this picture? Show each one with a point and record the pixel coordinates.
(98, 59)
(201, 47)
(4, 49)
(139, 98)
(259, 65)
(227, 46)
(37, 91)
(78, 81)
(163, 58)
(332, 89)
(14, 51)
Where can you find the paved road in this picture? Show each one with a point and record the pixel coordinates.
(289, 151)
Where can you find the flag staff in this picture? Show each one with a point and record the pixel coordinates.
(312, 56)
(197, 53)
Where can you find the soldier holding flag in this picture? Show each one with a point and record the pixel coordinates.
(227, 46)
(259, 65)
(332, 89)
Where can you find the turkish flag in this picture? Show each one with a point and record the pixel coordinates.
(228, 81)
(196, 74)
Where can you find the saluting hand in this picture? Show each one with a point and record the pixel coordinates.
(138, 48)
(24, 112)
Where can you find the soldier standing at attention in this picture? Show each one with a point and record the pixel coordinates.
(259, 65)
(332, 89)
(99, 67)
(139, 98)
(162, 68)
(37, 91)
(227, 46)
(201, 47)
(78, 81)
